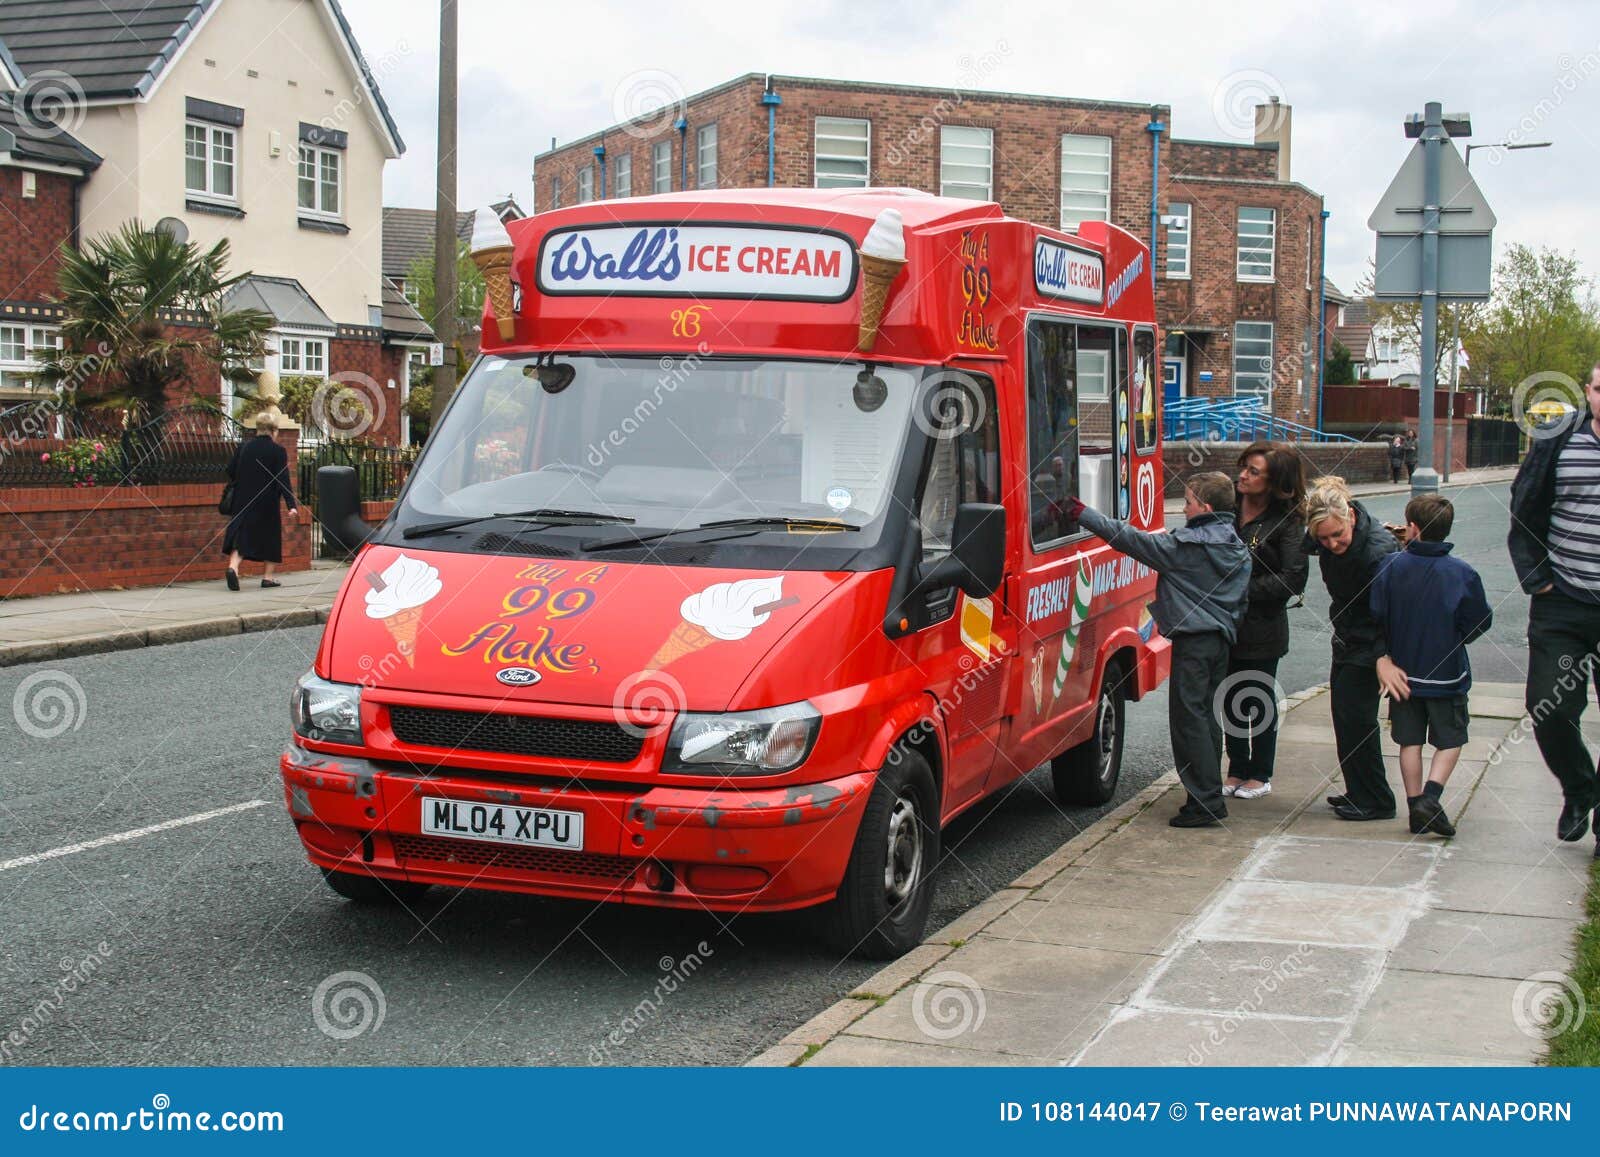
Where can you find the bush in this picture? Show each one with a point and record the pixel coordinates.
(83, 462)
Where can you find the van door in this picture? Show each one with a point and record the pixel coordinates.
(965, 466)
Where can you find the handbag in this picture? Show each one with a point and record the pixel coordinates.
(225, 503)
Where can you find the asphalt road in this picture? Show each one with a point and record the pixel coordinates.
(207, 943)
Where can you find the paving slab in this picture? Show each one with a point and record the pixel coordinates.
(1485, 944)
(1167, 1039)
(1064, 921)
(1179, 853)
(1249, 977)
(1554, 889)
(1088, 974)
(1119, 889)
(1332, 860)
(1390, 1059)
(1047, 1028)
(1313, 913)
(1512, 842)
(1427, 1012)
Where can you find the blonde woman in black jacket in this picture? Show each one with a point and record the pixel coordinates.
(1271, 489)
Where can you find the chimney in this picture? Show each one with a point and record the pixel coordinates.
(1272, 127)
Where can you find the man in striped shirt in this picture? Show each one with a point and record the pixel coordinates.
(1555, 547)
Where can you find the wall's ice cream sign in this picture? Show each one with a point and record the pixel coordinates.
(699, 261)
(1063, 271)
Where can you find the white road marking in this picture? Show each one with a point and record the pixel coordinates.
(120, 837)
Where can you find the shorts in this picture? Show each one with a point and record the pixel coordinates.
(1441, 722)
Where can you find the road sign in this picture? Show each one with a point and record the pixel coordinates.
(1465, 229)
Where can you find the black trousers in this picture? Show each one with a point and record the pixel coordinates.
(1354, 691)
(1199, 665)
(1563, 637)
(1250, 717)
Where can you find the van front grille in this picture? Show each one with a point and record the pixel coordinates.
(536, 735)
(547, 861)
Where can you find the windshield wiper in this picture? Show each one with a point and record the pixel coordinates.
(543, 514)
(748, 525)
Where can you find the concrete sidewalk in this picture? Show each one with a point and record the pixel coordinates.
(1289, 937)
(34, 630)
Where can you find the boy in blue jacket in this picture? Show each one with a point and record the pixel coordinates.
(1430, 607)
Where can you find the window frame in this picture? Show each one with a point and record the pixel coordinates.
(212, 134)
(555, 190)
(1271, 235)
(1187, 245)
(989, 410)
(1029, 322)
(623, 183)
(837, 180)
(303, 342)
(1271, 359)
(946, 185)
(320, 157)
(583, 185)
(700, 144)
(1064, 153)
(34, 339)
(661, 166)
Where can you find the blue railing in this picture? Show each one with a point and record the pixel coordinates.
(1236, 419)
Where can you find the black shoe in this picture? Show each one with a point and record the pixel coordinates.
(1338, 801)
(1427, 815)
(232, 578)
(1196, 819)
(1349, 811)
(268, 584)
(1574, 822)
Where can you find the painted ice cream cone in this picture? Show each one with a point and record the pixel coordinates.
(402, 626)
(883, 255)
(492, 253)
(686, 638)
(397, 598)
(722, 611)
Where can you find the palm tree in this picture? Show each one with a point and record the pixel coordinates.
(117, 346)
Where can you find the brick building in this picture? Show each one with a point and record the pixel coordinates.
(1238, 246)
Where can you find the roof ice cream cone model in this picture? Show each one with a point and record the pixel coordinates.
(397, 597)
(492, 253)
(883, 255)
(727, 611)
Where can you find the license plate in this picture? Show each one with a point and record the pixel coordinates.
(502, 823)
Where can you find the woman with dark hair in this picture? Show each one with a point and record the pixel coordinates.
(1271, 489)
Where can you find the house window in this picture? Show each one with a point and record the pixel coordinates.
(843, 149)
(22, 349)
(1085, 180)
(706, 156)
(1308, 254)
(1252, 358)
(319, 181)
(966, 162)
(661, 160)
(208, 161)
(1257, 233)
(303, 355)
(1178, 238)
(585, 184)
(625, 175)
(555, 192)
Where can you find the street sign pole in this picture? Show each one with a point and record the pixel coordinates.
(1426, 480)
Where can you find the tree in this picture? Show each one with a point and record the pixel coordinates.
(118, 348)
(1341, 369)
(470, 290)
(1542, 318)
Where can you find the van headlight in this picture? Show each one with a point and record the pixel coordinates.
(763, 742)
(329, 712)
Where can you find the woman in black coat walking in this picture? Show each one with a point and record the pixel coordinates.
(260, 475)
(1271, 491)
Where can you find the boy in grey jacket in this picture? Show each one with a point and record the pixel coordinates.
(1202, 589)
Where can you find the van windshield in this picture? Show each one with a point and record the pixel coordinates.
(670, 443)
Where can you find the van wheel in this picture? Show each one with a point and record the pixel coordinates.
(881, 909)
(373, 889)
(1086, 775)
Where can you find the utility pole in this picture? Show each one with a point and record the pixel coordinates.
(445, 254)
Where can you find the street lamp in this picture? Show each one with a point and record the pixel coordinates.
(1455, 339)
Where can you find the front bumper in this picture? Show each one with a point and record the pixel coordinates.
(721, 848)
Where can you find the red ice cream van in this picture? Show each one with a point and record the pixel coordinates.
(740, 563)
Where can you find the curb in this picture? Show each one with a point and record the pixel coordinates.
(14, 654)
(796, 1047)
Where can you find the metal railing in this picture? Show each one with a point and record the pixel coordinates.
(381, 472)
(1241, 418)
(51, 446)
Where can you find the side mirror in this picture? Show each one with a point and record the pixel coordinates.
(339, 508)
(976, 562)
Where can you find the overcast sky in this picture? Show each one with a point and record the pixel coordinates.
(1351, 71)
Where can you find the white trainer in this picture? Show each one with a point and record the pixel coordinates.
(1253, 792)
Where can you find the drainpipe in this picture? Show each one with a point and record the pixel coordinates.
(682, 125)
(1322, 318)
(772, 100)
(1155, 128)
(600, 155)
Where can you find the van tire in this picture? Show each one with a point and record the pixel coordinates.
(1086, 775)
(363, 889)
(881, 909)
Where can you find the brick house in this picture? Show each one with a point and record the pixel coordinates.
(254, 120)
(1238, 248)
